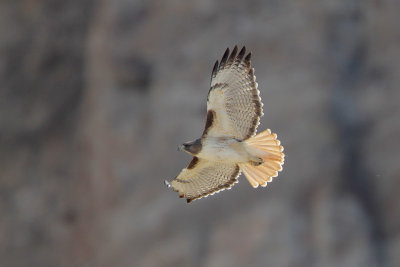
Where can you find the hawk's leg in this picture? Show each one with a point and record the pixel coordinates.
(256, 161)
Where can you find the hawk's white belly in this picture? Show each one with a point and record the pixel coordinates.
(223, 149)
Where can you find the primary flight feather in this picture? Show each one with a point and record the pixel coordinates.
(229, 144)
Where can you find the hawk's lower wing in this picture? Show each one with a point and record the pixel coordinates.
(202, 178)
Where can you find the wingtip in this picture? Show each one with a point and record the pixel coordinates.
(233, 55)
(225, 56)
(215, 69)
(226, 52)
(248, 57)
(241, 53)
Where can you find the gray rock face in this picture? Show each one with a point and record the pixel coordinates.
(95, 96)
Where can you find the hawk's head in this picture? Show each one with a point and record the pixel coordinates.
(193, 147)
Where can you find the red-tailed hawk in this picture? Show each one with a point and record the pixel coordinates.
(229, 144)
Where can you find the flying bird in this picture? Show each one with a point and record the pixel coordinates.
(229, 144)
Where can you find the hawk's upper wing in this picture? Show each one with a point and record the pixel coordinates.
(202, 178)
(234, 105)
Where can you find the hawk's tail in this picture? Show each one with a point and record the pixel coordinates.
(265, 146)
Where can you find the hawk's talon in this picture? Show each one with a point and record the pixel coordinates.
(256, 162)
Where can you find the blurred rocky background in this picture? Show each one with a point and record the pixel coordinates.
(95, 97)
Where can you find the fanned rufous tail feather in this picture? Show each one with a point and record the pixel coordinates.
(264, 145)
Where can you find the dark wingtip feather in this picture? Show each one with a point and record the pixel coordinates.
(235, 49)
(233, 55)
(215, 69)
(224, 58)
(247, 60)
(241, 53)
(248, 57)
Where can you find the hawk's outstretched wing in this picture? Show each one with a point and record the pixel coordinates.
(202, 178)
(234, 105)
